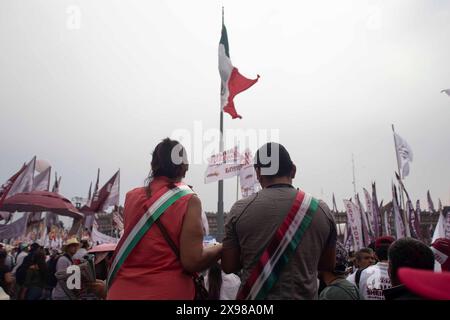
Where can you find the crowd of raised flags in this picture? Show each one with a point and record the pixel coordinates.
(45, 227)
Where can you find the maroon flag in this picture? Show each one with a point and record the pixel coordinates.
(90, 215)
(4, 190)
(376, 213)
(107, 196)
(20, 182)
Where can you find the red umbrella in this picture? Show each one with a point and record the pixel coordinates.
(37, 201)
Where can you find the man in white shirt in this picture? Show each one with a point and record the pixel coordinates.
(363, 258)
(374, 279)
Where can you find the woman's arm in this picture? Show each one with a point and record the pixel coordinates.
(194, 257)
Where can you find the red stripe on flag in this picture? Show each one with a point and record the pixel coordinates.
(236, 84)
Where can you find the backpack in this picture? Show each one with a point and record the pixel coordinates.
(51, 264)
(21, 272)
(358, 276)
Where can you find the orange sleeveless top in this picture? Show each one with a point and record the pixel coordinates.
(152, 270)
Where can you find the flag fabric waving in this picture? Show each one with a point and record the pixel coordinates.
(405, 154)
(232, 82)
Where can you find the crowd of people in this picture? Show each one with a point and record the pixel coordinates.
(279, 243)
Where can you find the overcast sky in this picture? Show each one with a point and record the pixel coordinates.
(104, 89)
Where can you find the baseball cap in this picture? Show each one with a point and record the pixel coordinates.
(426, 283)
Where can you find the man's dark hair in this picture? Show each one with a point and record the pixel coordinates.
(84, 244)
(382, 245)
(267, 157)
(359, 253)
(412, 253)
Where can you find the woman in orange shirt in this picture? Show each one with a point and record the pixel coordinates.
(144, 265)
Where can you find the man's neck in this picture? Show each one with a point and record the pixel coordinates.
(276, 180)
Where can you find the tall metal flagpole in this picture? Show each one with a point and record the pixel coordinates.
(220, 217)
(402, 200)
(354, 180)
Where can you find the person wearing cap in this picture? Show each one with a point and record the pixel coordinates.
(337, 287)
(65, 261)
(441, 250)
(82, 251)
(374, 279)
(253, 222)
(409, 253)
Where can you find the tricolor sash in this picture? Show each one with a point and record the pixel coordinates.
(280, 248)
(132, 236)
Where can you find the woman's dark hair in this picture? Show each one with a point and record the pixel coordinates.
(214, 281)
(38, 258)
(169, 159)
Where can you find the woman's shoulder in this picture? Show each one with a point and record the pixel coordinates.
(138, 192)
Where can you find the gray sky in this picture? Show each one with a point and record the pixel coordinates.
(334, 76)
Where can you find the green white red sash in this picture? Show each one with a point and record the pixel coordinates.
(131, 238)
(280, 248)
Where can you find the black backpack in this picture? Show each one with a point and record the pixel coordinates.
(51, 264)
(21, 272)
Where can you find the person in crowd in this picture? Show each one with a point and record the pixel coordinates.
(253, 221)
(363, 258)
(36, 276)
(22, 268)
(62, 263)
(409, 253)
(9, 260)
(221, 286)
(6, 278)
(441, 250)
(22, 252)
(161, 264)
(337, 287)
(374, 279)
(82, 251)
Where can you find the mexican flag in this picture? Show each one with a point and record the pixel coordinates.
(232, 81)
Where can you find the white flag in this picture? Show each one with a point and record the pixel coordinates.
(247, 174)
(24, 182)
(114, 191)
(370, 214)
(399, 225)
(223, 165)
(405, 154)
(42, 180)
(354, 220)
(99, 238)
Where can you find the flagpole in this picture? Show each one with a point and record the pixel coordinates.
(354, 180)
(402, 200)
(220, 218)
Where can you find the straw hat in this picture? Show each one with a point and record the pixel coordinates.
(71, 241)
